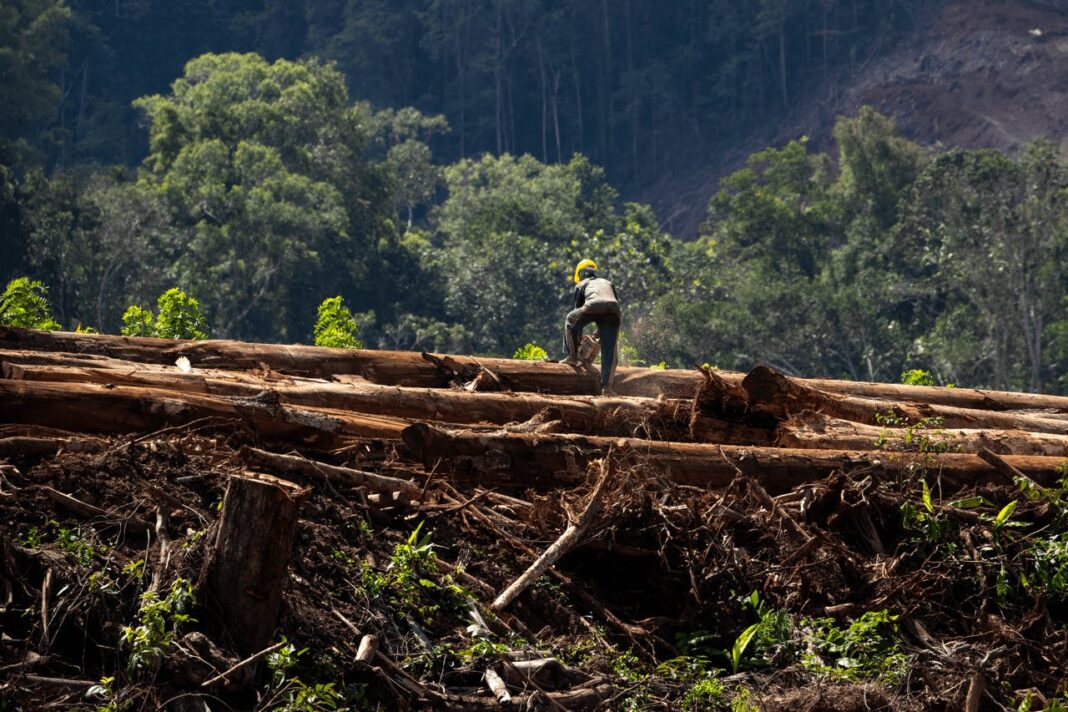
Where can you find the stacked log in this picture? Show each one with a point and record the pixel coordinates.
(522, 424)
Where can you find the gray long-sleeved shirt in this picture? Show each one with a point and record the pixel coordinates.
(595, 290)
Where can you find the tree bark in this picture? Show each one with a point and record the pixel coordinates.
(656, 418)
(243, 580)
(382, 367)
(811, 430)
(411, 369)
(321, 471)
(564, 543)
(91, 408)
(524, 460)
(780, 396)
(28, 446)
(936, 395)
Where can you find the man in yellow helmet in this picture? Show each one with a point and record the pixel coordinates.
(596, 302)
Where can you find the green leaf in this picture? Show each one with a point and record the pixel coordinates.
(742, 642)
(927, 501)
(1005, 514)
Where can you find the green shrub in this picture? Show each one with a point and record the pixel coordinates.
(179, 317)
(917, 377)
(870, 648)
(1051, 564)
(24, 303)
(138, 322)
(336, 326)
(157, 621)
(530, 352)
(291, 694)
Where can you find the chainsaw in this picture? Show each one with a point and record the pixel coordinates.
(589, 348)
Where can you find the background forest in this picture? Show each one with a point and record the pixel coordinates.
(441, 164)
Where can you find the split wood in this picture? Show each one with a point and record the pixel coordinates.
(571, 536)
(295, 464)
(244, 663)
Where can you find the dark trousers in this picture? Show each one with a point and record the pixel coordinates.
(606, 315)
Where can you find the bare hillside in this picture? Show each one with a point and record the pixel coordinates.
(979, 73)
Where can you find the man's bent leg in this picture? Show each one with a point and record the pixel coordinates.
(573, 325)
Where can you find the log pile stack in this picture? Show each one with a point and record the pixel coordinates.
(518, 456)
(521, 423)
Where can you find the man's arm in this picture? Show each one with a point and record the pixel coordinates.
(580, 295)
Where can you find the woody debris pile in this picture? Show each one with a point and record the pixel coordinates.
(216, 525)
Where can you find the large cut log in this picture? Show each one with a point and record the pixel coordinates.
(243, 579)
(810, 430)
(92, 408)
(780, 396)
(658, 418)
(720, 413)
(76, 368)
(979, 399)
(520, 459)
(411, 369)
(383, 367)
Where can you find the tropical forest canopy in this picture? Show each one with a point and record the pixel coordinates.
(440, 165)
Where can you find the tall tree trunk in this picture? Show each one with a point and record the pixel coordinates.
(604, 86)
(632, 92)
(544, 104)
(576, 79)
(782, 62)
(556, 115)
(497, 84)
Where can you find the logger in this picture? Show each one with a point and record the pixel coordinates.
(595, 302)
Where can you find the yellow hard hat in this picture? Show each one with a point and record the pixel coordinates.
(585, 264)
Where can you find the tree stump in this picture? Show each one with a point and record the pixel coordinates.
(243, 577)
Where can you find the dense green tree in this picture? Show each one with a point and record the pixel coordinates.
(406, 135)
(770, 227)
(11, 226)
(34, 36)
(60, 225)
(999, 229)
(261, 166)
(509, 233)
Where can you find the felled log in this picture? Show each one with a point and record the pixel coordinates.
(729, 383)
(520, 459)
(62, 368)
(720, 414)
(382, 367)
(92, 408)
(411, 369)
(24, 446)
(323, 472)
(811, 430)
(780, 396)
(974, 398)
(602, 416)
(243, 579)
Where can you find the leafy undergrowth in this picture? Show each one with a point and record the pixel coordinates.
(856, 592)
